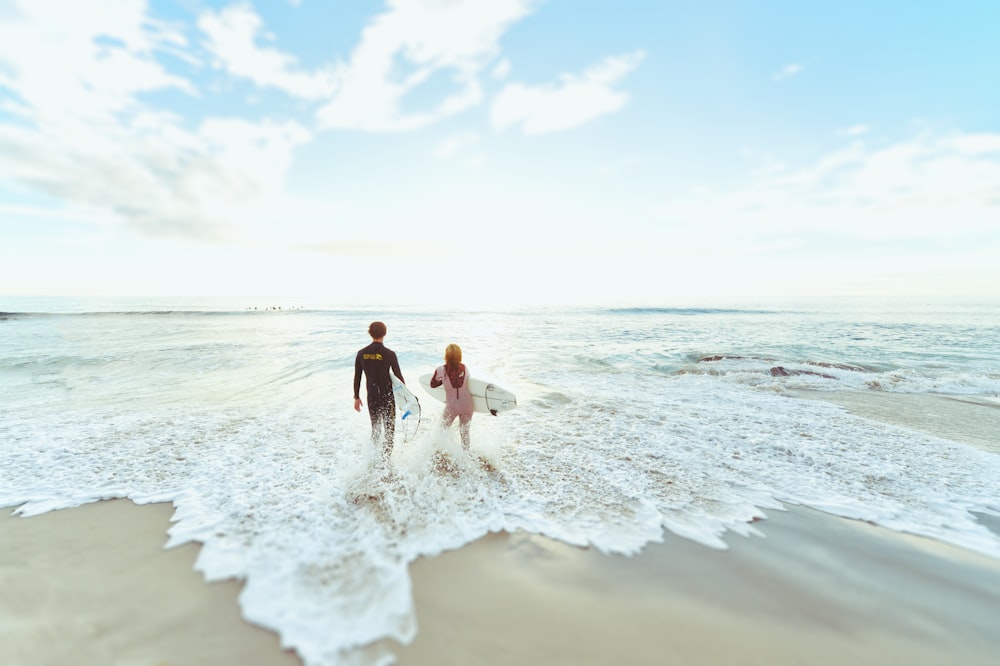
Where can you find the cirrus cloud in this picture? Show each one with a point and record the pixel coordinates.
(111, 112)
(74, 79)
(400, 51)
(577, 100)
(788, 71)
(232, 36)
(926, 189)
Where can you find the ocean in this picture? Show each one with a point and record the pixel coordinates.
(630, 422)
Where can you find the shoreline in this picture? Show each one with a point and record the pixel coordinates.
(93, 586)
(816, 589)
(956, 418)
(93, 582)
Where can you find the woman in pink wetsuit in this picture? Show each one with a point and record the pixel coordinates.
(454, 376)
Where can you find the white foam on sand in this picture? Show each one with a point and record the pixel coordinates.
(293, 502)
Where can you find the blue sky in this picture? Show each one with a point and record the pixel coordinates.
(508, 152)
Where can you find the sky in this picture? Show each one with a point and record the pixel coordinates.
(488, 153)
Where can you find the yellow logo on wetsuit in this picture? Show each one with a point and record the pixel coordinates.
(372, 357)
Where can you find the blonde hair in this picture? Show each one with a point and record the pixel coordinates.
(452, 355)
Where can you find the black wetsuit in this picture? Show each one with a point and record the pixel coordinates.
(376, 360)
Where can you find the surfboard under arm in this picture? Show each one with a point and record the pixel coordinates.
(487, 397)
(407, 404)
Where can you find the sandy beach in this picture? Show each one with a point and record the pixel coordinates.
(816, 590)
(92, 586)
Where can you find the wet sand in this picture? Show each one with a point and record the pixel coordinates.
(92, 586)
(816, 589)
(960, 419)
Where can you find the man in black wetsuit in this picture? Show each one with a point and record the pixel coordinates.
(375, 361)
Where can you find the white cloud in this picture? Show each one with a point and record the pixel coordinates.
(80, 129)
(502, 69)
(977, 144)
(404, 47)
(856, 130)
(917, 216)
(577, 100)
(232, 37)
(54, 58)
(923, 190)
(788, 71)
(86, 138)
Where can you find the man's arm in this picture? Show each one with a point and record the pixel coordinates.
(357, 376)
(394, 364)
(357, 382)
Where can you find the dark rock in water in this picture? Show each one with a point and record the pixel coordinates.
(779, 371)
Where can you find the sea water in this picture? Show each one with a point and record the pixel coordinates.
(630, 422)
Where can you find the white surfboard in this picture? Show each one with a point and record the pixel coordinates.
(487, 397)
(407, 405)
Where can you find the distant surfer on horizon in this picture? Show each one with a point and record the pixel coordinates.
(375, 361)
(458, 401)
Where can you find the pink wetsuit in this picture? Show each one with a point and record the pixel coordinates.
(458, 400)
